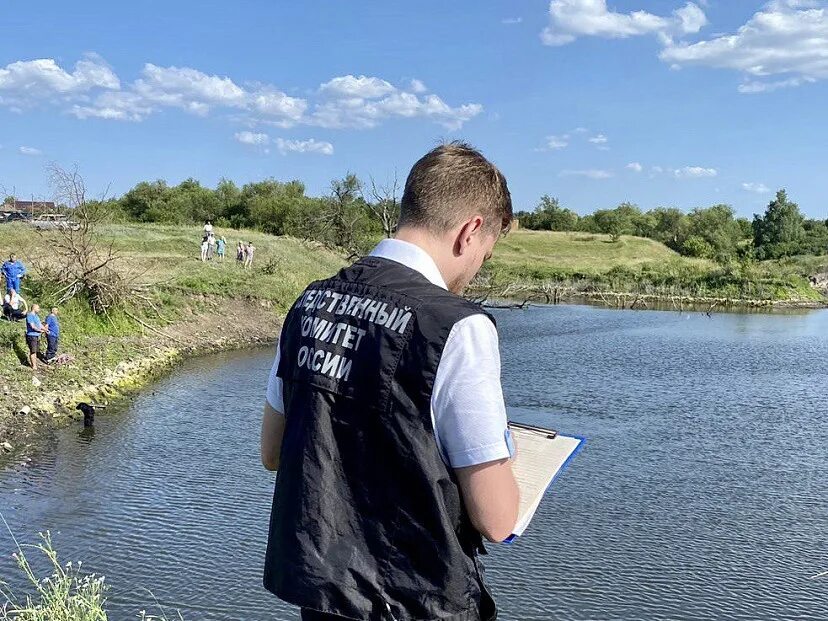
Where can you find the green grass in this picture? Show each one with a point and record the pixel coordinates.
(590, 263)
(577, 252)
(167, 257)
(542, 255)
(64, 592)
(163, 263)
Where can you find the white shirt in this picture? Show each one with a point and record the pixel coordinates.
(14, 302)
(467, 409)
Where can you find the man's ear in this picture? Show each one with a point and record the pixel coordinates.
(472, 227)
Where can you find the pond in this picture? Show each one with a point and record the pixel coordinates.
(700, 495)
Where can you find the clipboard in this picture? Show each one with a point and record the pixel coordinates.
(542, 454)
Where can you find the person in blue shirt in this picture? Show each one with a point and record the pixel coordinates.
(53, 334)
(34, 328)
(13, 270)
(221, 245)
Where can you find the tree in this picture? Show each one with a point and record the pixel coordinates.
(229, 201)
(697, 246)
(84, 265)
(550, 216)
(147, 201)
(385, 205)
(626, 219)
(342, 221)
(189, 201)
(271, 205)
(669, 226)
(718, 228)
(816, 238)
(780, 231)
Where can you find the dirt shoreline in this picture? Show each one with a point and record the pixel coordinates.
(640, 301)
(28, 411)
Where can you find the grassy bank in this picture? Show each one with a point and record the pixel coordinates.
(561, 266)
(185, 307)
(181, 306)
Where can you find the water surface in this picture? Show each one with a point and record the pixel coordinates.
(701, 493)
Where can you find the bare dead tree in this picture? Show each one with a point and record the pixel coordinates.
(84, 265)
(7, 195)
(383, 201)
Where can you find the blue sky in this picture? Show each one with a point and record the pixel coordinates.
(655, 102)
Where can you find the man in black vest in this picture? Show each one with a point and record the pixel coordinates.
(385, 417)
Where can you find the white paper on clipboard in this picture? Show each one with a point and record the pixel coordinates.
(541, 455)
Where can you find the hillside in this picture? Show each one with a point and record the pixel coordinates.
(540, 264)
(578, 252)
(180, 305)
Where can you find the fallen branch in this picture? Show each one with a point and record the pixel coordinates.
(152, 328)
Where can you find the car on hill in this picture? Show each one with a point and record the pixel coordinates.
(54, 222)
(14, 216)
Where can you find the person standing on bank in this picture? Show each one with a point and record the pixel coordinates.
(53, 334)
(13, 270)
(34, 328)
(396, 459)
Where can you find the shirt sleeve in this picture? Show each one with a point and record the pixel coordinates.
(468, 411)
(275, 395)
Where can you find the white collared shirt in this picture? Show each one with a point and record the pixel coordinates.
(467, 408)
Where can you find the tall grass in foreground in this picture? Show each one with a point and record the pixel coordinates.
(65, 594)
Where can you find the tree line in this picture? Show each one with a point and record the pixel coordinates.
(353, 214)
(712, 232)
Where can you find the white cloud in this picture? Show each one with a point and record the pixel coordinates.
(359, 112)
(27, 82)
(92, 90)
(554, 143)
(598, 139)
(569, 19)
(304, 146)
(694, 172)
(29, 151)
(252, 138)
(363, 86)
(758, 188)
(635, 167)
(417, 86)
(187, 88)
(509, 21)
(272, 103)
(754, 87)
(785, 38)
(590, 173)
(116, 105)
(193, 91)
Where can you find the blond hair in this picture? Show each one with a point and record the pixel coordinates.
(452, 182)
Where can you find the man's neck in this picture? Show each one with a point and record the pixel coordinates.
(426, 242)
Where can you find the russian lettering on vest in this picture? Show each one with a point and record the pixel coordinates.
(324, 362)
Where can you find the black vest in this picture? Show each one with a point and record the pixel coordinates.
(368, 522)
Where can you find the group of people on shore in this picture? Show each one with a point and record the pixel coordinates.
(212, 246)
(15, 308)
